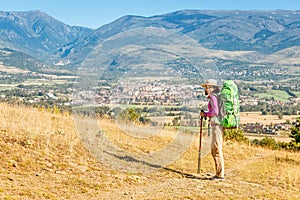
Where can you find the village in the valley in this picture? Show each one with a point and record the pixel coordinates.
(188, 97)
(273, 88)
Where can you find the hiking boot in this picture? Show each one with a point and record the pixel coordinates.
(217, 178)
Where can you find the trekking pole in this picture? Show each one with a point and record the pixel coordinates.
(200, 141)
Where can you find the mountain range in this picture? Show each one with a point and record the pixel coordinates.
(266, 35)
(36, 33)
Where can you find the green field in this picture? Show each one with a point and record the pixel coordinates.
(279, 95)
(4, 87)
(297, 93)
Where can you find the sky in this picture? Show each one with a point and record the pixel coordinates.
(95, 13)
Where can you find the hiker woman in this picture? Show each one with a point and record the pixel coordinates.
(211, 89)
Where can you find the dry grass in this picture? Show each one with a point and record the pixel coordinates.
(43, 158)
(12, 70)
(135, 144)
(253, 117)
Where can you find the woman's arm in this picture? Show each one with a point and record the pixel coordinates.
(213, 108)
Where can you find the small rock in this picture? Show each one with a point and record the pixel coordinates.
(200, 187)
(48, 169)
(14, 163)
(39, 173)
(60, 172)
(48, 164)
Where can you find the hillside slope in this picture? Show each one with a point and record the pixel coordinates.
(264, 32)
(43, 158)
(36, 33)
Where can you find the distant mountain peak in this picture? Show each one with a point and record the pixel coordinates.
(40, 35)
(36, 33)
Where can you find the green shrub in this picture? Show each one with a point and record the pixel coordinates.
(294, 146)
(269, 142)
(235, 135)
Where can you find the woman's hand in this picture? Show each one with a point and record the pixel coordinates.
(202, 114)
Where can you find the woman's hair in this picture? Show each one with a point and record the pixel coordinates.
(216, 90)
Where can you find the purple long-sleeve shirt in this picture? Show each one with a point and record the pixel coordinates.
(213, 109)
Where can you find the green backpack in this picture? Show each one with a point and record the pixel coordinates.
(229, 105)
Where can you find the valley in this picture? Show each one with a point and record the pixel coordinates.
(113, 112)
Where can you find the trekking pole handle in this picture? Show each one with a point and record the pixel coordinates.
(203, 117)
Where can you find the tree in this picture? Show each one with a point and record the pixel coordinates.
(133, 115)
(102, 110)
(295, 133)
(176, 121)
(129, 115)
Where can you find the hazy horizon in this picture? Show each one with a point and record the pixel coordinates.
(94, 13)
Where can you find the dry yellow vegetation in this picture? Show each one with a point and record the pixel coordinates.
(42, 157)
(253, 117)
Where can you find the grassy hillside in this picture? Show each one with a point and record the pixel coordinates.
(43, 158)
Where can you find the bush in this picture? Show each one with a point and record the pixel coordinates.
(269, 142)
(130, 115)
(294, 146)
(235, 135)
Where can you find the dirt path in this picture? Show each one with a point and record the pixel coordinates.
(193, 186)
(172, 184)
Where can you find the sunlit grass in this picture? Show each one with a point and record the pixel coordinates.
(279, 95)
(42, 157)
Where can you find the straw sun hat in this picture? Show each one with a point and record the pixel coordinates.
(210, 82)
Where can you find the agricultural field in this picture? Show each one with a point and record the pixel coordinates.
(279, 95)
(257, 117)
